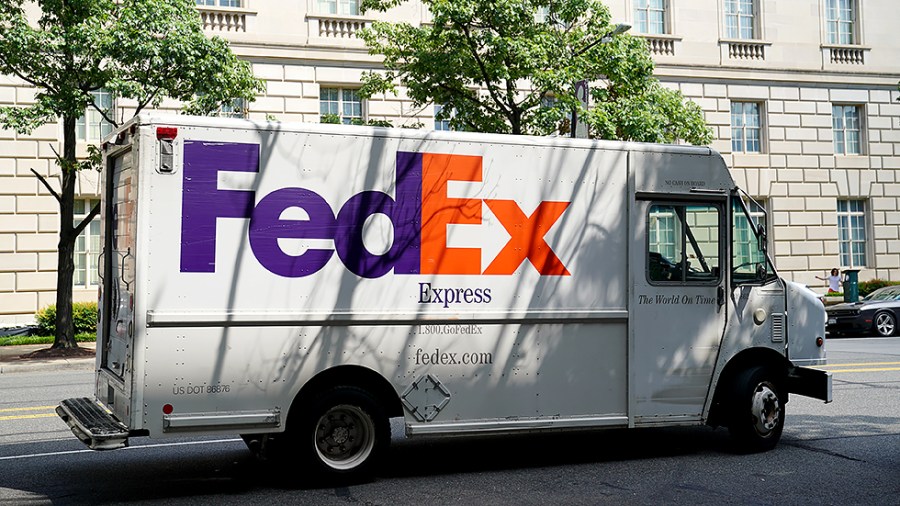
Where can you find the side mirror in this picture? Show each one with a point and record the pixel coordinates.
(761, 270)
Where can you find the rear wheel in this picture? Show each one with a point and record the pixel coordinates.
(757, 410)
(341, 434)
(885, 324)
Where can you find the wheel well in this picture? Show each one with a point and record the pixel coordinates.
(889, 311)
(744, 360)
(351, 375)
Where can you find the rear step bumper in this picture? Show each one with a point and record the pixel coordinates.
(93, 424)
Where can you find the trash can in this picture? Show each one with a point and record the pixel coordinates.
(851, 285)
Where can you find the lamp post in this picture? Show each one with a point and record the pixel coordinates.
(582, 89)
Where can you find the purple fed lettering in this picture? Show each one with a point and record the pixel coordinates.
(266, 227)
(203, 203)
(404, 214)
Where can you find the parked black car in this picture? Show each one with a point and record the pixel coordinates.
(879, 312)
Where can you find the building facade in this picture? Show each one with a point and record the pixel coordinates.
(802, 97)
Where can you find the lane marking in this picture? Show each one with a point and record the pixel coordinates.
(26, 417)
(863, 364)
(35, 408)
(873, 369)
(159, 445)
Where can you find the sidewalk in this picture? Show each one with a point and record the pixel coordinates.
(11, 361)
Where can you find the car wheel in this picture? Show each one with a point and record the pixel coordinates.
(885, 324)
(757, 410)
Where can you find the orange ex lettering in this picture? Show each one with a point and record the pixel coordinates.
(438, 210)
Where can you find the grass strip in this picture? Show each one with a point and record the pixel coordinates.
(18, 340)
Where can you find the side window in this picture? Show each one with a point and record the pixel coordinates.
(748, 256)
(683, 243)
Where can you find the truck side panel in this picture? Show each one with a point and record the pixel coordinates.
(494, 274)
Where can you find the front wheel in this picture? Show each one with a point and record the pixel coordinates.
(885, 324)
(757, 410)
(341, 434)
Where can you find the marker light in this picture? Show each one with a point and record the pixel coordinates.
(167, 133)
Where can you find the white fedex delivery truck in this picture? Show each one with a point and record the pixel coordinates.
(300, 284)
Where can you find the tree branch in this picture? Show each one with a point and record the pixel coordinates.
(484, 73)
(47, 185)
(20, 75)
(87, 219)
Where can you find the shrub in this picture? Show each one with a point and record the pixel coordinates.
(84, 314)
(867, 287)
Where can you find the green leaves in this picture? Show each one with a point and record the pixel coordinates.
(143, 50)
(510, 66)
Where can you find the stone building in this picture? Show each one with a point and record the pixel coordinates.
(802, 97)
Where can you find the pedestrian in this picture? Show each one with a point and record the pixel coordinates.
(834, 280)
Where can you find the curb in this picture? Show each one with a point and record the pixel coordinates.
(10, 363)
(78, 364)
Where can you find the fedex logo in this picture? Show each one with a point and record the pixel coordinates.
(419, 211)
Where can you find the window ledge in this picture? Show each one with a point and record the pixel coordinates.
(661, 43)
(746, 49)
(336, 26)
(845, 54)
(224, 19)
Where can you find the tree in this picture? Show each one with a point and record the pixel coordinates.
(142, 50)
(510, 66)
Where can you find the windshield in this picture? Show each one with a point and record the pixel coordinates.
(890, 294)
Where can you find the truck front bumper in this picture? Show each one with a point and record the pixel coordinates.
(813, 383)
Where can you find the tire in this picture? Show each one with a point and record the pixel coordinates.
(885, 324)
(757, 410)
(340, 435)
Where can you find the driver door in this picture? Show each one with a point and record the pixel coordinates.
(677, 317)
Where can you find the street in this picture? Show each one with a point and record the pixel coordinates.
(847, 452)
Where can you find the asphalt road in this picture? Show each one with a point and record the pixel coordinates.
(847, 452)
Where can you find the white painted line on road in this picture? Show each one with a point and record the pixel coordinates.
(160, 445)
(53, 454)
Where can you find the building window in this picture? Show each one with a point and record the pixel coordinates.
(662, 231)
(740, 19)
(746, 132)
(851, 216)
(444, 123)
(233, 109)
(846, 125)
(343, 7)
(87, 245)
(93, 126)
(338, 105)
(840, 21)
(650, 16)
(219, 3)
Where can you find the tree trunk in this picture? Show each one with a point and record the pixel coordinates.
(65, 326)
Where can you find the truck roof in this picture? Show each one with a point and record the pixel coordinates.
(408, 133)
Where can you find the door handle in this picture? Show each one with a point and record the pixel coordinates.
(720, 295)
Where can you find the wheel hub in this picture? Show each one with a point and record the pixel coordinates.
(766, 409)
(344, 437)
(885, 325)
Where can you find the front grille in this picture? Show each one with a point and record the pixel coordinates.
(842, 312)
